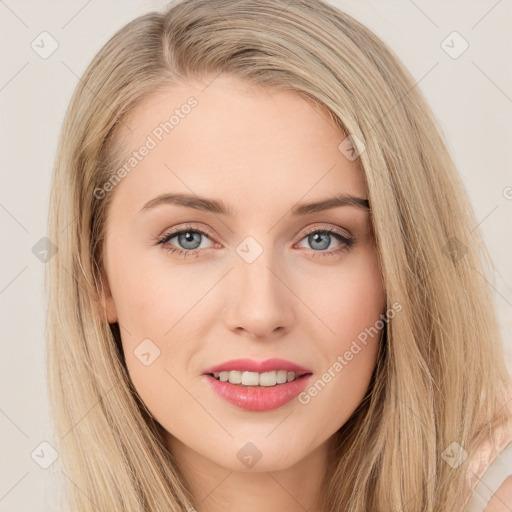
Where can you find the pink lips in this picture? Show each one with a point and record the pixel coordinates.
(258, 398)
(249, 365)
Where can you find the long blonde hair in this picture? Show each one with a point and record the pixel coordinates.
(440, 376)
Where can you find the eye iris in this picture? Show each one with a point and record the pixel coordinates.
(313, 239)
(187, 236)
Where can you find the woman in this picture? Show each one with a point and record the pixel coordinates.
(267, 289)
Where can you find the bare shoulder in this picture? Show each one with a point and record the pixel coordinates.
(501, 500)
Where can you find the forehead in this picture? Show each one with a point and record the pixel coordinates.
(231, 137)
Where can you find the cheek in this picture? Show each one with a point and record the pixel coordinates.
(157, 307)
(151, 293)
(155, 350)
(353, 314)
(352, 299)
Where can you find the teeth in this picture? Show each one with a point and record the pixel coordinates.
(281, 376)
(254, 378)
(250, 378)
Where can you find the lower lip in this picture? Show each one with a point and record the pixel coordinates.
(259, 398)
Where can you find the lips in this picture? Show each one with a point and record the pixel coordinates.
(256, 398)
(250, 365)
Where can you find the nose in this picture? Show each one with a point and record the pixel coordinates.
(260, 303)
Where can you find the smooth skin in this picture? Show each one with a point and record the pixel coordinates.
(305, 298)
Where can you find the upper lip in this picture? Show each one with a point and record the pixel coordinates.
(250, 365)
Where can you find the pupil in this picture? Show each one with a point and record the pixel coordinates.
(317, 238)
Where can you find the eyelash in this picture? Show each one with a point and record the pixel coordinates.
(347, 242)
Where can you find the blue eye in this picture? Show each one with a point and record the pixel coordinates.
(190, 238)
(323, 238)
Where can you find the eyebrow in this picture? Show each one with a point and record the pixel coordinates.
(218, 207)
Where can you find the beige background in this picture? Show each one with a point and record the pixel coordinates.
(471, 96)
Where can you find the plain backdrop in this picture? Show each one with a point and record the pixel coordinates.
(470, 93)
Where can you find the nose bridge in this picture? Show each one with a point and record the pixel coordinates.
(260, 301)
(256, 271)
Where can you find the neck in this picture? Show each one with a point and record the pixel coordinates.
(215, 488)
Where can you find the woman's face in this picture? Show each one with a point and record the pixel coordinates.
(258, 281)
